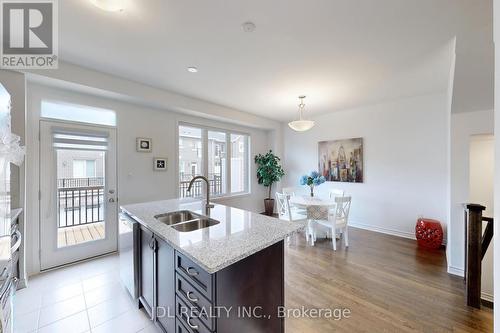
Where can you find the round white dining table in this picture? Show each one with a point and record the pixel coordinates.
(315, 208)
(304, 201)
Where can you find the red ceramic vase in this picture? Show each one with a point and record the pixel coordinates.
(429, 233)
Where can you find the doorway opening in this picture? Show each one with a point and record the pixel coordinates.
(78, 209)
(481, 182)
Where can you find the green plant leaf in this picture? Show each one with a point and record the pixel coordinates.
(269, 169)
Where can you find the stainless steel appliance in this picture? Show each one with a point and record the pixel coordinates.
(129, 258)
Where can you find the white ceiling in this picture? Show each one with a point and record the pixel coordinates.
(340, 53)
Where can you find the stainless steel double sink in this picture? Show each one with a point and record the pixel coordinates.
(185, 220)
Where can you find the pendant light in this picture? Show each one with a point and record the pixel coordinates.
(301, 125)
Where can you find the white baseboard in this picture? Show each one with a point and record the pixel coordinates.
(460, 272)
(487, 297)
(456, 271)
(388, 231)
(393, 232)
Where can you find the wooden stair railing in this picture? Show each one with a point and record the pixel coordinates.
(476, 245)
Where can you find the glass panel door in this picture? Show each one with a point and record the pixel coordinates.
(80, 196)
(77, 192)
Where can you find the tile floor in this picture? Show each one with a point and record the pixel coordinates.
(86, 297)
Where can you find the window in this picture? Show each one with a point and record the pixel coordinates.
(190, 158)
(239, 163)
(222, 156)
(80, 113)
(217, 162)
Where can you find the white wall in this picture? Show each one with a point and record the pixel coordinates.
(137, 182)
(482, 165)
(496, 229)
(405, 160)
(463, 126)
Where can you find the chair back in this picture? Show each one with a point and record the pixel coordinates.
(342, 208)
(283, 204)
(334, 193)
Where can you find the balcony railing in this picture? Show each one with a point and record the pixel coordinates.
(215, 182)
(80, 182)
(80, 201)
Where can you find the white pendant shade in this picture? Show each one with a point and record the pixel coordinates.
(109, 5)
(301, 125)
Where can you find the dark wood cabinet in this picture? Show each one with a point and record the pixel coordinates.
(147, 274)
(170, 283)
(165, 286)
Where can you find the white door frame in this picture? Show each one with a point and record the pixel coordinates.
(50, 255)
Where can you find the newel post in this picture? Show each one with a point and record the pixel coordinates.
(473, 247)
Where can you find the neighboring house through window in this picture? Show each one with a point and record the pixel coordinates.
(220, 155)
(84, 168)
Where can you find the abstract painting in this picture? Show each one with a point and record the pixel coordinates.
(341, 160)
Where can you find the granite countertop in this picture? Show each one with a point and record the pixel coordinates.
(239, 234)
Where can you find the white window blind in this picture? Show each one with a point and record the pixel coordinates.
(80, 140)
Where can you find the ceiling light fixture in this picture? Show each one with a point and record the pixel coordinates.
(109, 5)
(301, 125)
(192, 69)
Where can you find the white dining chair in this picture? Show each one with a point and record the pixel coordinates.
(291, 192)
(336, 221)
(285, 212)
(335, 192)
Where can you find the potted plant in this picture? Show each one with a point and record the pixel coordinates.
(314, 179)
(269, 171)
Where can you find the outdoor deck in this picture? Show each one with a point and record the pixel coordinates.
(80, 234)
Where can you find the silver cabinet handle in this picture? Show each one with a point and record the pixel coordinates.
(17, 245)
(192, 299)
(194, 327)
(111, 200)
(191, 271)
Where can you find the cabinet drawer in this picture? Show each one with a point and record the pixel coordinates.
(191, 296)
(194, 274)
(187, 316)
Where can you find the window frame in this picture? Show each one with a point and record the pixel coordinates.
(204, 157)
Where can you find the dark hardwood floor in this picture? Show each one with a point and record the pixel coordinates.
(387, 283)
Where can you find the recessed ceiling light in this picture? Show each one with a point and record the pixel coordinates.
(248, 26)
(110, 5)
(192, 69)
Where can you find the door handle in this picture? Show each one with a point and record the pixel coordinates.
(111, 200)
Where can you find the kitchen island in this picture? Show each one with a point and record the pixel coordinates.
(218, 273)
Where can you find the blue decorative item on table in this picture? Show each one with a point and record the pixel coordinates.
(314, 179)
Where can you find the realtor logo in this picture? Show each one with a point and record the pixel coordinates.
(29, 34)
